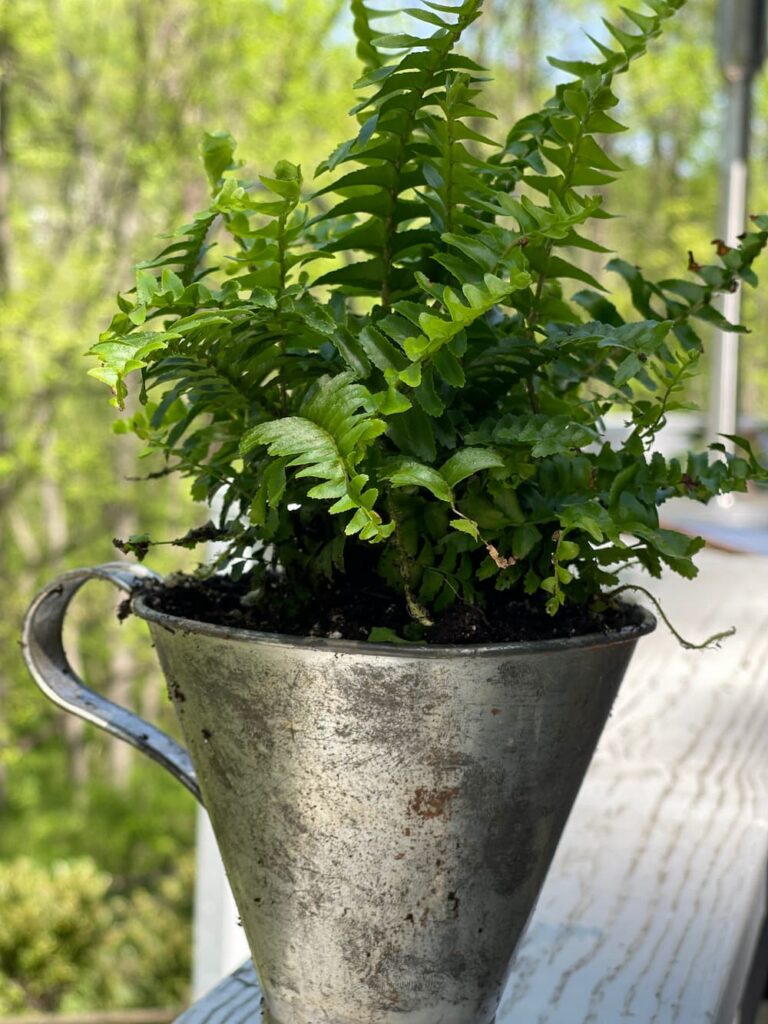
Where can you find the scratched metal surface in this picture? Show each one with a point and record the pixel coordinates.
(655, 899)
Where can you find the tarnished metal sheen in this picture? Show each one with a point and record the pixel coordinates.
(43, 648)
(386, 815)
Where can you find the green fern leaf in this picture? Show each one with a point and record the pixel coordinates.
(328, 440)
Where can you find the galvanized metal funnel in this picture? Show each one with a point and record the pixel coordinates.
(386, 815)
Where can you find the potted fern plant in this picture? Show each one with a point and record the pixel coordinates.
(392, 678)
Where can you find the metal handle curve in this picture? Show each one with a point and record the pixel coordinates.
(43, 650)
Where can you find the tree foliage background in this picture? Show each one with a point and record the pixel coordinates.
(102, 104)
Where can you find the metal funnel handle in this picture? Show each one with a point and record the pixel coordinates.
(43, 650)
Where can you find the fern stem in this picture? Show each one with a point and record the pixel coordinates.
(416, 610)
(281, 288)
(449, 175)
(711, 641)
(535, 311)
(532, 399)
(386, 254)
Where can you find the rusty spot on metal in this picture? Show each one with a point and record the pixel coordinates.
(432, 803)
(406, 831)
(392, 996)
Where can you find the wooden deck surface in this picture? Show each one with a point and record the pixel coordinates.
(656, 900)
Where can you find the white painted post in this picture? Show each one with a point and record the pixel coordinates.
(741, 49)
(219, 941)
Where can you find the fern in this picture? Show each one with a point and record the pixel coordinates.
(391, 146)
(437, 386)
(367, 53)
(328, 440)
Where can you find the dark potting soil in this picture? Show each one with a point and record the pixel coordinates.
(340, 612)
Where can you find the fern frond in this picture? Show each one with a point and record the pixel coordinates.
(362, 16)
(328, 441)
(391, 146)
(454, 175)
(555, 149)
(683, 300)
(185, 256)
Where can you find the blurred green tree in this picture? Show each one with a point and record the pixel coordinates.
(67, 942)
(101, 108)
